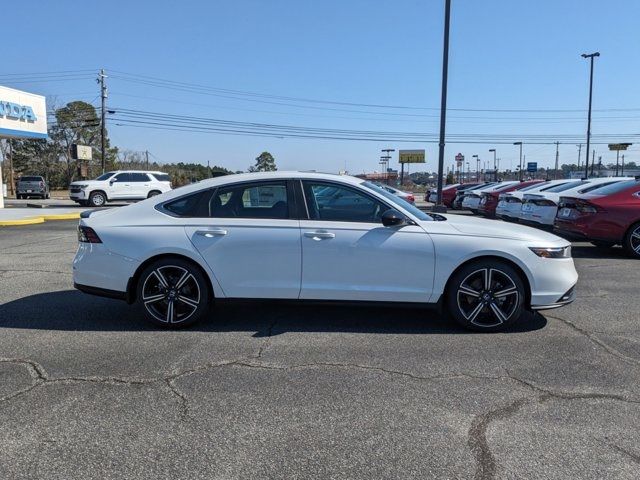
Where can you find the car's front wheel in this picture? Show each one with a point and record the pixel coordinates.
(173, 293)
(97, 199)
(486, 296)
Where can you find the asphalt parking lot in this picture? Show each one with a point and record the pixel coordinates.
(89, 390)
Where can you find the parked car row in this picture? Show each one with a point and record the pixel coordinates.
(604, 211)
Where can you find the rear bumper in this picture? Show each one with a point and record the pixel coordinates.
(101, 292)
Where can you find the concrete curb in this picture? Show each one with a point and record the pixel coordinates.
(39, 219)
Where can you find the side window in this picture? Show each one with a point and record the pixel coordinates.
(192, 206)
(139, 177)
(122, 177)
(256, 200)
(341, 204)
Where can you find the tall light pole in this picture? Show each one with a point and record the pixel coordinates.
(495, 171)
(477, 167)
(590, 56)
(387, 157)
(520, 164)
(443, 104)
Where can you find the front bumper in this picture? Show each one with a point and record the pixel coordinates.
(565, 299)
(77, 195)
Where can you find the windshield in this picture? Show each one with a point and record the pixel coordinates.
(394, 199)
(105, 176)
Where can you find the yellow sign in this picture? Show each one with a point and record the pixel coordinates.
(618, 146)
(411, 156)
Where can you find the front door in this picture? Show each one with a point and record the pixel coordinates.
(347, 254)
(120, 186)
(251, 240)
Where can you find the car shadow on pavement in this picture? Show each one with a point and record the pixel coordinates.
(71, 310)
(591, 251)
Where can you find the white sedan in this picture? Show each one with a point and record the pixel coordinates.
(540, 208)
(472, 199)
(309, 236)
(510, 203)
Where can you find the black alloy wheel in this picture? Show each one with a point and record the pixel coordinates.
(173, 292)
(486, 296)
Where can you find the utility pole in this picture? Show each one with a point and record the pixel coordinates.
(586, 165)
(146, 154)
(579, 152)
(520, 172)
(103, 113)
(623, 164)
(593, 160)
(555, 174)
(443, 105)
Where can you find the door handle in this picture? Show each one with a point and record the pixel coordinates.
(319, 235)
(214, 232)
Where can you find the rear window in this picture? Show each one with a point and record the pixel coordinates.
(195, 205)
(531, 187)
(565, 186)
(31, 179)
(162, 177)
(615, 187)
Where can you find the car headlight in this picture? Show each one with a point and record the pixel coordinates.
(554, 252)
(82, 186)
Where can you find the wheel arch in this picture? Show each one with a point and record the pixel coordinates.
(154, 190)
(98, 190)
(132, 284)
(518, 268)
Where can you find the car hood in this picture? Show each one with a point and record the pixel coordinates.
(480, 227)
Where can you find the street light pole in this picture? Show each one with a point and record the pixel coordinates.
(478, 167)
(443, 104)
(520, 164)
(590, 57)
(495, 171)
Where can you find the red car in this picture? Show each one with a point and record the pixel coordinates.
(606, 216)
(450, 191)
(489, 200)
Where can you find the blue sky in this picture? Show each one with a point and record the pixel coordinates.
(505, 54)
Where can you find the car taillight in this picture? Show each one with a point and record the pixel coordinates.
(584, 207)
(88, 235)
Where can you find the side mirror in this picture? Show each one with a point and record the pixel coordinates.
(112, 181)
(393, 218)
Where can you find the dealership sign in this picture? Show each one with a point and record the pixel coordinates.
(22, 114)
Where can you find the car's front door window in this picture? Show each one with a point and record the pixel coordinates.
(330, 202)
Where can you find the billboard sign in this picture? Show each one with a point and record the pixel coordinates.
(22, 114)
(81, 152)
(411, 156)
(532, 167)
(619, 146)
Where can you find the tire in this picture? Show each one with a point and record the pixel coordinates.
(19, 197)
(167, 304)
(601, 244)
(48, 196)
(97, 199)
(632, 241)
(83, 203)
(486, 296)
(153, 193)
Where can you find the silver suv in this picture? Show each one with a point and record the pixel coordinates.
(32, 186)
(119, 185)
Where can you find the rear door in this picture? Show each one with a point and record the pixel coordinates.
(347, 254)
(250, 239)
(140, 184)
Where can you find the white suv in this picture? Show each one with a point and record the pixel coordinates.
(119, 185)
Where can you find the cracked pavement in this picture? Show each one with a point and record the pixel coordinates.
(89, 390)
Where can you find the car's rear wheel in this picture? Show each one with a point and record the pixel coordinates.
(97, 199)
(153, 193)
(632, 241)
(173, 293)
(486, 296)
(19, 197)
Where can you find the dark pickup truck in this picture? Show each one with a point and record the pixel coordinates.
(32, 186)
